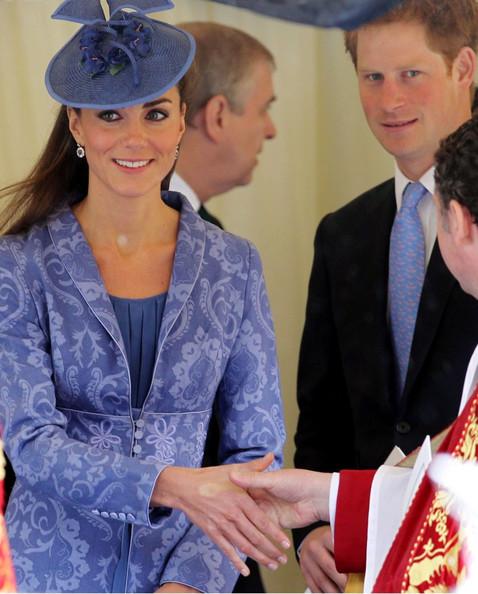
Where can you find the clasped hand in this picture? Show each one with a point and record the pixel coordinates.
(224, 510)
(291, 498)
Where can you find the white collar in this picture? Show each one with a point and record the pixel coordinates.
(177, 184)
(401, 182)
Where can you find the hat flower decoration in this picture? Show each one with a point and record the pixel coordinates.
(111, 46)
(122, 60)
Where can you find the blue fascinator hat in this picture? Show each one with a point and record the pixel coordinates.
(121, 61)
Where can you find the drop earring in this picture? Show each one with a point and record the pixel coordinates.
(176, 154)
(80, 151)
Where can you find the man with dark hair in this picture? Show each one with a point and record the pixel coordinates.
(388, 331)
(227, 121)
(228, 116)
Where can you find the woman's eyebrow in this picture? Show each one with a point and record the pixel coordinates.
(157, 102)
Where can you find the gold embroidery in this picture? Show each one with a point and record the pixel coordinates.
(435, 562)
(426, 571)
(467, 450)
(439, 515)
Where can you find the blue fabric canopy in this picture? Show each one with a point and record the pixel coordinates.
(346, 14)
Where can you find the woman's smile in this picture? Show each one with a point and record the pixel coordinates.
(132, 165)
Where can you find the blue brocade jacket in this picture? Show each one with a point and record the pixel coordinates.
(84, 464)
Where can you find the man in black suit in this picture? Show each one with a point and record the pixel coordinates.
(415, 70)
(228, 92)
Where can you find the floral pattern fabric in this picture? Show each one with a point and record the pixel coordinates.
(84, 465)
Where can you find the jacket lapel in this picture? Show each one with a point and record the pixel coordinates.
(188, 259)
(77, 257)
(436, 291)
(358, 242)
(381, 353)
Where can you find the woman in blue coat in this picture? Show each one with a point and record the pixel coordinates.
(124, 320)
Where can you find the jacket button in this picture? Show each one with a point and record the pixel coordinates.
(139, 423)
(130, 517)
(403, 427)
(122, 516)
(137, 449)
(138, 434)
(113, 515)
(104, 514)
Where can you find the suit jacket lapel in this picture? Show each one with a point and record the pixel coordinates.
(362, 292)
(382, 351)
(436, 290)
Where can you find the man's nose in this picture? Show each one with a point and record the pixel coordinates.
(393, 95)
(270, 130)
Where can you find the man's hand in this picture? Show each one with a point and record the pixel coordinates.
(317, 562)
(224, 511)
(292, 497)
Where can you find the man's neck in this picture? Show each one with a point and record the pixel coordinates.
(414, 169)
(196, 182)
(196, 164)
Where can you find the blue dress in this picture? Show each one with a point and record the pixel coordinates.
(140, 322)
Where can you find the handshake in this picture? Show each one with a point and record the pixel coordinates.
(243, 507)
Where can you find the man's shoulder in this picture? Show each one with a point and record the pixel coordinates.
(361, 221)
(382, 195)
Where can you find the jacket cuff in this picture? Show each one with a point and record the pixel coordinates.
(351, 521)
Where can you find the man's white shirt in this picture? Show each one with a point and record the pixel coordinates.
(177, 184)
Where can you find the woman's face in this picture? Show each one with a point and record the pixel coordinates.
(130, 150)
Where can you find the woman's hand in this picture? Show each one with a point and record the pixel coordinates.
(224, 511)
(291, 497)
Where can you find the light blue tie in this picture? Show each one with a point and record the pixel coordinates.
(405, 276)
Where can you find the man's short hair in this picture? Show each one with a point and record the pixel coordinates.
(449, 25)
(224, 57)
(456, 170)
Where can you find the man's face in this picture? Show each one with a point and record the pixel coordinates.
(249, 128)
(410, 97)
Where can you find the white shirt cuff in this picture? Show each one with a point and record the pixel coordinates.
(333, 494)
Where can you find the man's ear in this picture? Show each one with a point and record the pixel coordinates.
(216, 115)
(461, 224)
(75, 125)
(464, 65)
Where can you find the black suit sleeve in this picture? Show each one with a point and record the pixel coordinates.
(324, 438)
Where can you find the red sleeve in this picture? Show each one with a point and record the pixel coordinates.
(351, 520)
